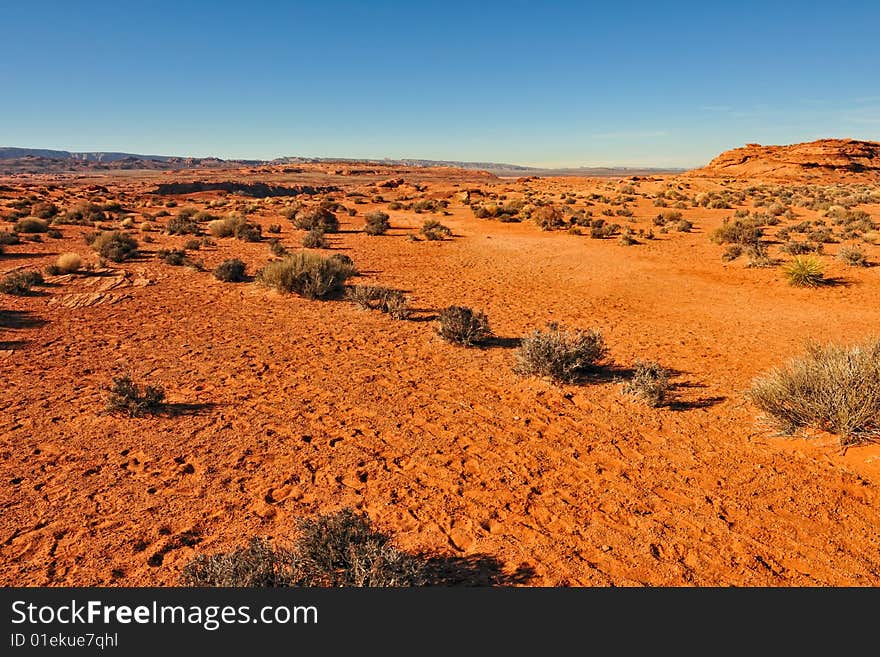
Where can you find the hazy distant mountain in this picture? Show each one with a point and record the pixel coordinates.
(41, 159)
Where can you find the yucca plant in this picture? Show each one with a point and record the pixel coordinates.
(805, 271)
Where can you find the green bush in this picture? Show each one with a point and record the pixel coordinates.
(805, 271)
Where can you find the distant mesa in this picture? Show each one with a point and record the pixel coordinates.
(844, 159)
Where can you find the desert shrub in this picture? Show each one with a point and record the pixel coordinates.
(732, 252)
(684, 226)
(738, 231)
(82, 214)
(183, 224)
(559, 354)
(627, 239)
(833, 388)
(274, 229)
(649, 383)
(320, 217)
(315, 239)
(852, 256)
(68, 263)
(793, 247)
(8, 238)
(759, 256)
(203, 217)
(248, 232)
(20, 282)
(342, 549)
(804, 271)
(387, 300)
(377, 223)
(433, 230)
(44, 210)
(276, 248)
(307, 274)
(174, 257)
(31, 225)
(464, 326)
(548, 217)
(226, 227)
(133, 399)
(192, 245)
(114, 245)
(230, 271)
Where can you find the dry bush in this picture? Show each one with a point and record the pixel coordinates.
(805, 271)
(342, 549)
(377, 223)
(82, 214)
(113, 245)
(559, 354)
(248, 232)
(549, 217)
(183, 224)
(307, 274)
(315, 239)
(738, 231)
(433, 230)
(8, 238)
(44, 210)
(320, 217)
(132, 399)
(226, 227)
(19, 283)
(649, 383)
(173, 257)
(388, 300)
(68, 263)
(852, 256)
(833, 388)
(31, 225)
(463, 325)
(759, 256)
(230, 271)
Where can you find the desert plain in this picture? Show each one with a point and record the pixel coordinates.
(279, 407)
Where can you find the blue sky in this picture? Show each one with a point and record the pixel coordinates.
(543, 83)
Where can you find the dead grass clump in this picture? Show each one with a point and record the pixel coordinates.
(852, 256)
(315, 239)
(226, 227)
(833, 388)
(132, 399)
(388, 300)
(559, 354)
(68, 263)
(377, 223)
(433, 230)
(342, 549)
(113, 245)
(738, 231)
(649, 383)
(230, 271)
(183, 224)
(308, 274)
(320, 217)
(549, 217)
(464, 326)
(31, 225)
(19, 283)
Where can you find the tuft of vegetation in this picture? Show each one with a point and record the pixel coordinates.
(649, 383)
(248, 232)
(68, 263)
(133, 399)
(852, 256)
(738, 231)
(173, 257)
(231, 271)
(226, 227)
(308, 274)
(315, 239)
(31, 225)
(8, 238)
(183, 224)
(388, 300)
(464, 326)
(113, 245)
(832, 388)
(320, 217)
(377, 223)
(433, 230)
(549, 217)
(341, 549)
(19, 283)
(805, 271)
(560, 354)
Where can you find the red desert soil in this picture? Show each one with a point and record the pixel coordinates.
(284, 407)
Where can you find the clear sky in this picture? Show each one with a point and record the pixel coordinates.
(632, 83)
